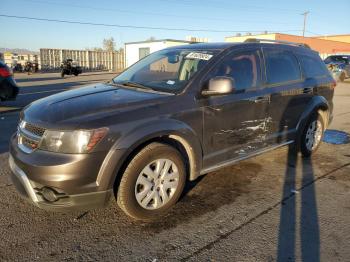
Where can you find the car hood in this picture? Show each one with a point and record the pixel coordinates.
(90, 102)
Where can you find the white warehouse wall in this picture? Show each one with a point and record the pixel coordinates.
(132, 49)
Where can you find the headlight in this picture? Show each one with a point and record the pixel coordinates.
(71, 142)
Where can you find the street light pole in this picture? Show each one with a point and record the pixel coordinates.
(305, 15)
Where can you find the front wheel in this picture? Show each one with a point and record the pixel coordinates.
(312, 135)
(152, 182)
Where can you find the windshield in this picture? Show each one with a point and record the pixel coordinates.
(166, 70)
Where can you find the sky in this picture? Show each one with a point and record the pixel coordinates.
(207, 16)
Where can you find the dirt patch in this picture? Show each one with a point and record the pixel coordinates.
(209, 193)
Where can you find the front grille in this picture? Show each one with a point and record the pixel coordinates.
(29, 136)
(36, 130)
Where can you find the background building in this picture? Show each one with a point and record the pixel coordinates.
(321, 45)
(339, 38)
(12, 59)
(52, 59)
(134, 51)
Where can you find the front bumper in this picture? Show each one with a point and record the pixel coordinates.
(31, 191)
(71, 177)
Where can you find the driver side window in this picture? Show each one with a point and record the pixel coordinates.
(243, 67)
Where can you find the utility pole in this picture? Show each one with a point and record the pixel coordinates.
(305, 15)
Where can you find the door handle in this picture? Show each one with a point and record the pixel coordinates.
(307, 90)
(261, 99)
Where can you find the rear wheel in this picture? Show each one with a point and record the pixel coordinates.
(152, 182)
(312, 135)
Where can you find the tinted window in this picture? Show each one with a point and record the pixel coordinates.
(243, 67)
(281, 66)
(313, 67)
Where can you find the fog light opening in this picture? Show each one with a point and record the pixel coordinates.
(49, 194)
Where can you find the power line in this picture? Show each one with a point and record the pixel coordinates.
(134, 26)
(149, 13)
(221, 5)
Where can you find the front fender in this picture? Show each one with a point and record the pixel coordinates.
(139, 135)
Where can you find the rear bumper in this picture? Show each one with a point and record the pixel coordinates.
(32, 192)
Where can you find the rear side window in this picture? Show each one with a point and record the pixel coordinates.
(312, 67)
(281, 66)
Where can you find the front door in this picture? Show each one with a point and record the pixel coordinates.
(235, 124)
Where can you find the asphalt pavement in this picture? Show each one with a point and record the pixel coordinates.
(274, 207)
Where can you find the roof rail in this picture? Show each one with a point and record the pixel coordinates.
(257, 40)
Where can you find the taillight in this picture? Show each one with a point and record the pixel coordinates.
(4, 72)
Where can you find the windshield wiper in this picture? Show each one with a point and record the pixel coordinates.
(134, 84)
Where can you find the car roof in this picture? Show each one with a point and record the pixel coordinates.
(226, 45)
(214, 46)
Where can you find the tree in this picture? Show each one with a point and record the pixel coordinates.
(152, 38)
(97, 49)
(109, 44)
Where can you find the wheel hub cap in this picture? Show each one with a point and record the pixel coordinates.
(156, 184)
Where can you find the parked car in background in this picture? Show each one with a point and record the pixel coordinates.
(176, 114)
(69, 67)
(8, 86)
(339, 65)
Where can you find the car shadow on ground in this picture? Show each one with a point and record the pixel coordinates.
(308, 216)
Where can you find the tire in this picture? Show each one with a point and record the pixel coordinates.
(62, 74)
(313, 130)
(135, 181)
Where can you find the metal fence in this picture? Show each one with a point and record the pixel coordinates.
(51, 59)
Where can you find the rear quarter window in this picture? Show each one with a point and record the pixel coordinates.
(281, 66)
(312, 66)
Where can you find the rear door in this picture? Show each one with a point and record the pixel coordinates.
(235, 125)
(290, 93)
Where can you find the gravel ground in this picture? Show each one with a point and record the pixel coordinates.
(273, 207)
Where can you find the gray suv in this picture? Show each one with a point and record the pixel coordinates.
(175, 115)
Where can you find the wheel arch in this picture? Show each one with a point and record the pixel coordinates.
(176, 134)
(318, 104)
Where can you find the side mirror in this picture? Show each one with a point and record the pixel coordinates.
(173, 59)
(220, 85)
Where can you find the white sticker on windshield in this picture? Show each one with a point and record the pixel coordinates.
(201, 56)
(170, 82)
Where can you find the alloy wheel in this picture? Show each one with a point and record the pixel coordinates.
(313, 135)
